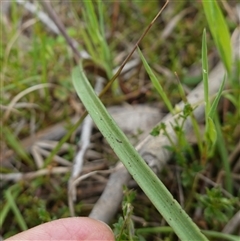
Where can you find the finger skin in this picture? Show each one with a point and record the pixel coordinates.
(72, 229)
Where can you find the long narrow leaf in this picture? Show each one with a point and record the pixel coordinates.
(220, 143)
(156, 83)
(15, 144)
(6, 207)
(91, 20)
(205, 73)
(144, 176)
(220, 32)
(19, 218)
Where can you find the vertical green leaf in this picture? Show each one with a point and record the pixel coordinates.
(223, 152)
(220, 32)
(205, 73)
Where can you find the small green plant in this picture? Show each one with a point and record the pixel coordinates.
(94, 37)
(43, 214)
(217, 206)
(124, 228)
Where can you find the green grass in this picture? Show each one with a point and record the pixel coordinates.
(220, 32)
(143, 175)
(33, 57)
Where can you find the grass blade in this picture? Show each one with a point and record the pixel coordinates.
(94, 37)
(14, 143)
(155, 82)
(210, 132)
(205, 73)
(6, 208)
(144, 176)
(221, 146)
(220, 32)
(11, 200)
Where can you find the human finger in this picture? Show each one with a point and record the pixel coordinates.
(77, 229)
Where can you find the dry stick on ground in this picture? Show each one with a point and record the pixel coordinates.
(26, 176)
(233, 224)
(153, 149)
(15, 177)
